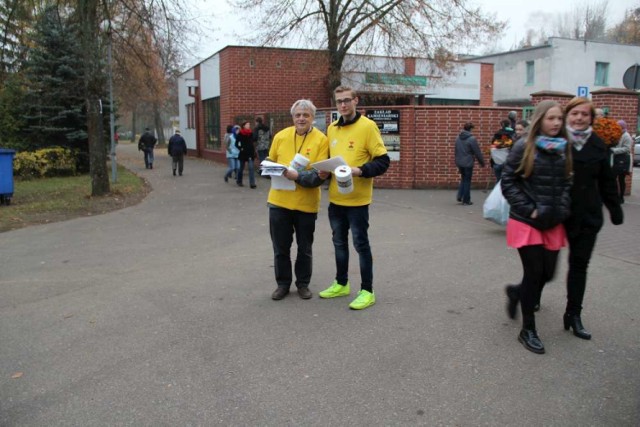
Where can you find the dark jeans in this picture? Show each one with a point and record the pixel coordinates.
(464, 189)
(580, 249)
(177, 162)
(356, 218)
(622, 185)
(252, 177)
(262, 154)
(148, 157)
(497, 170)
(282, 225)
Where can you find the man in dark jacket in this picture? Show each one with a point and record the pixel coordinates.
(145, 144)
(467, 150)
(262, 139)
(177, 149)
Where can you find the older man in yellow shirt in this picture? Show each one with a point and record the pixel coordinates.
(296, 211)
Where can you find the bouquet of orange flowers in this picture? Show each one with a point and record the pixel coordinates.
(608, 130)
(503, 142)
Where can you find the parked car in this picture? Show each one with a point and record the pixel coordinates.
(636, 152)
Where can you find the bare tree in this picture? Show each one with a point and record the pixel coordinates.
(593, 20)
(394, 27)
(584, 21)
(628, 30)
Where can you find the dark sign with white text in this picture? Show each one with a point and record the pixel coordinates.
(388, 121)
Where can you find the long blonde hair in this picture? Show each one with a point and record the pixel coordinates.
(526, 165)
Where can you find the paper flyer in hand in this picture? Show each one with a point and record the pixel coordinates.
(329, 165)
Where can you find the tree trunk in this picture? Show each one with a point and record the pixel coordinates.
(94, 85)
(133, 125)
(157, 118)
(97, 149)
(335, 74)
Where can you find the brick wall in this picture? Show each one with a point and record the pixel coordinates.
(561, 98)
(427, 141)
(623, 105)
(486, 85)
(254, 80)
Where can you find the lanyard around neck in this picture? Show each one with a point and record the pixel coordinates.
(295, 136)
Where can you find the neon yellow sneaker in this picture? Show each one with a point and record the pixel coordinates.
(363, 300)
(335, 290)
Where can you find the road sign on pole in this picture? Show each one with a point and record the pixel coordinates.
(583, 91)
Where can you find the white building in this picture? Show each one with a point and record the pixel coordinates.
(563, 65)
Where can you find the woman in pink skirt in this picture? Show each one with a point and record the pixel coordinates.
(536, 181)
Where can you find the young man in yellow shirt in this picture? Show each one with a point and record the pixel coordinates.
(296, 211)
(357, 139)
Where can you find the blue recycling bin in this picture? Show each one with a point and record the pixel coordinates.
(6, 175)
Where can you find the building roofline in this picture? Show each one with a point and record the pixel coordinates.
(524, 49)
(457, 61)
(547, 44)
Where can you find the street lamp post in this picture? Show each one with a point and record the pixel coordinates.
(114, 166)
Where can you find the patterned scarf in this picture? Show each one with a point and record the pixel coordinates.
(551, 145)
(578, 137)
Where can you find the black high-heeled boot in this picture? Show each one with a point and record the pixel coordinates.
(574, 322)
(531, 341)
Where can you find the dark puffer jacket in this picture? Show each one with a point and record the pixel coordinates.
(546, 189)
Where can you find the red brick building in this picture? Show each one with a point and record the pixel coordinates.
(241, 83)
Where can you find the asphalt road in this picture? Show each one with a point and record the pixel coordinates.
(160, 315)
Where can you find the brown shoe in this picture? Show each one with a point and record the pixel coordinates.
(304, 293)
(279, 293)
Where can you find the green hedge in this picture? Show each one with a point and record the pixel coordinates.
(44, 163)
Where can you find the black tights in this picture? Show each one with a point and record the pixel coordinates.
(580, 250)
(538, 267)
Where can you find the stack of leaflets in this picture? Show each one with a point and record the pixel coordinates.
(271, 168)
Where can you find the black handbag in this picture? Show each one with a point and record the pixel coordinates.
(621, 163)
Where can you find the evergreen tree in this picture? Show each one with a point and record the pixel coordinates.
(11, 119)
(54, 109)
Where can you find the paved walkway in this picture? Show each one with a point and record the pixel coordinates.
(159, 315)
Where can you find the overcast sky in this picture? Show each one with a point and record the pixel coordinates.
(519, 13)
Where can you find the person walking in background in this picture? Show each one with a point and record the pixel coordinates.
(247, 155)
(177, 149)
(146, 144)
(358, 141)
(513, 119)
(622, 159)
(262, 139)
(536, 181)
(593, 184)
(500, 146)
(232, 152)
(520, 129)
(295, 212)
(466, 152)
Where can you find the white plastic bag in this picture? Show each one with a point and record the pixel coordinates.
(496, 208)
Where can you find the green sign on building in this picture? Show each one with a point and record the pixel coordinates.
(395, 79)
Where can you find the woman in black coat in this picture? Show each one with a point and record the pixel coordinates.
(536, 180)
(593, 184)
(244, 142)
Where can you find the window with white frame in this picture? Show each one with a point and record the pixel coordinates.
(530, 73)
(602, 74)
